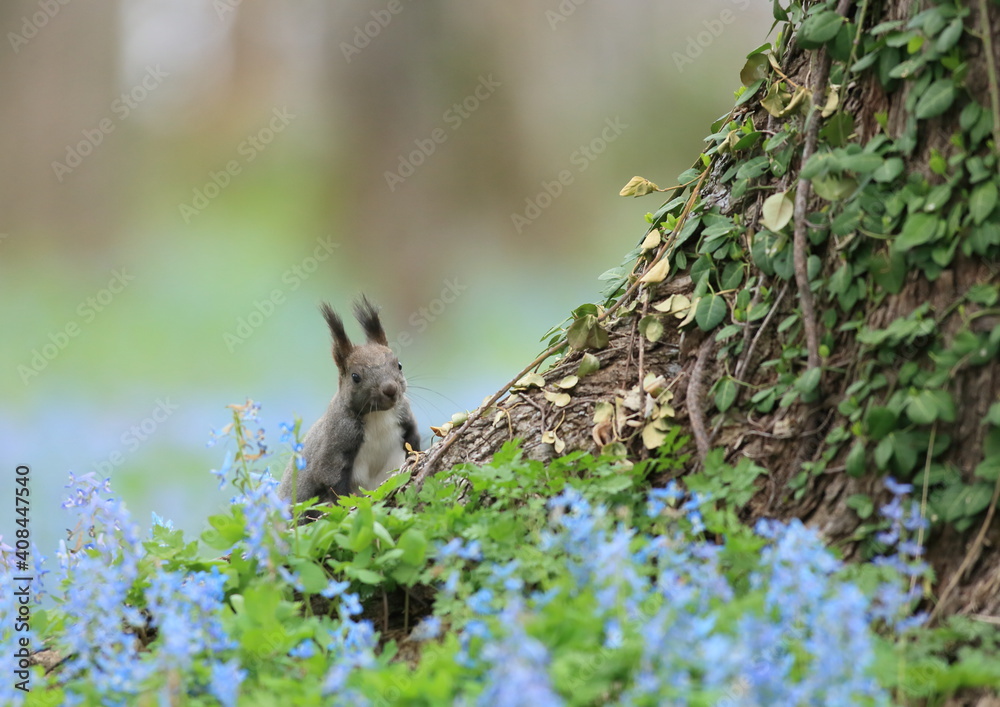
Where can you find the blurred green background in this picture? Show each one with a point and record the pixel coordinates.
(184, 180)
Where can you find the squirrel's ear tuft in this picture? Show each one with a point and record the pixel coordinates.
(367, 315)
(342, 345)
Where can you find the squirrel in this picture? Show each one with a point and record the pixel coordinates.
(363, 434)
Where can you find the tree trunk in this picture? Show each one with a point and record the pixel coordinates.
(860, 326)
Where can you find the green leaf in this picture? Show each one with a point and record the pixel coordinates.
(993, 415)
(588, 364)
(809, 381)
(988, 469)
(855, 462)
(921, 407)
(862, 162)
(363, 575)
(982, 201)
(834, 188)
(413, 543)
(780, 14)
(725, 394)
(950, 36)
(756, 68)
(880, 421)
(777, 211)
(838, 128)
(586, 332)
(936, 99)
(711, 311)
(883, 453)
(732, 276)
(651, 327)
(818, 29)
(957, 501)
(907, 68)
(889, 170)
(918, 229)
(862, 504)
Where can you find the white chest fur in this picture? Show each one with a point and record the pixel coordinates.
(382, 450)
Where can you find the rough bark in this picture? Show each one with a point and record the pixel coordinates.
(967, 563)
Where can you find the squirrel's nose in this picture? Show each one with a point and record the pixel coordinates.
(390, 390)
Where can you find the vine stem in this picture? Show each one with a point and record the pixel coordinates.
(693, 398)
(681, 221)
(802, 192)
(991, 71)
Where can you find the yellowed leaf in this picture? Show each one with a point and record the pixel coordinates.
(558, 399)
(603, 411)
(638, 186)
(530, 379)
(651, 240)
(652, 437)
(568, 382)
(658, 272)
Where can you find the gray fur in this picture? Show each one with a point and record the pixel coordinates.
(332, 445)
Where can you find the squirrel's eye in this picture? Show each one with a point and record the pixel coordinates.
(400, 366)
(356, 377)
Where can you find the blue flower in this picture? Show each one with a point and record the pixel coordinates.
(226, 680)
(428, 629)
(335, 588)
(896, 488)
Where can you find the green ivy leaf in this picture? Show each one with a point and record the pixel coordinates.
(588, 364)
(651, 327)
(883, 453)
(988, 469)
(950, 36)
(982, 201)
(819, 29)
(936, 99)
(855, 462)
(755, 69)
(587, 333)
(889, 170)
(711, 311)
(918, 229)
(838, 129)
(809, 381)
(880, 421)
(921, 407)
(725, 394)
(862, 504)
(834, 188)
(862, 162)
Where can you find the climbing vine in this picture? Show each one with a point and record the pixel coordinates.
(870, 224)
